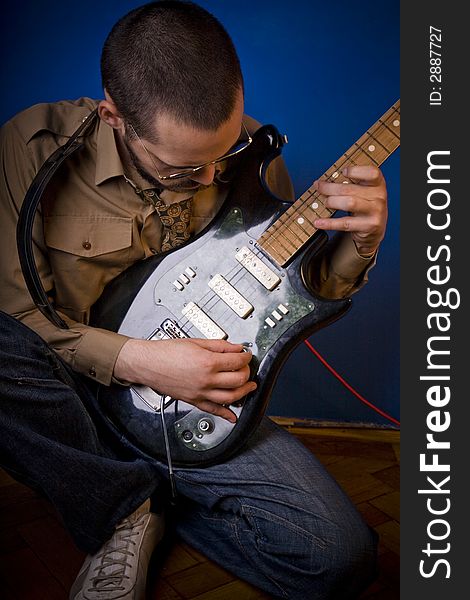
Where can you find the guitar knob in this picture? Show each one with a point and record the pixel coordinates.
(187, 435)
(205, 426)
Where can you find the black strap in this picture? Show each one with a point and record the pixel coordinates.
(24, 229)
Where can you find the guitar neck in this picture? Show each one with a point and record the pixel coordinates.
(284, 238)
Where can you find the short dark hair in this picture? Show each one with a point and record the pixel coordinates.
(172, 57)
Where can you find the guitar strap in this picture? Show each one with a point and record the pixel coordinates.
(24, 229)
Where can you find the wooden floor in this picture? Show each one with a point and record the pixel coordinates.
(39, 562)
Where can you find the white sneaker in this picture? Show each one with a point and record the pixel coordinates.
(118, 571)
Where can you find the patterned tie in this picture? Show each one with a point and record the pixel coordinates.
(175, 217)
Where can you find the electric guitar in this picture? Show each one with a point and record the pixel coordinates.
(243, 278)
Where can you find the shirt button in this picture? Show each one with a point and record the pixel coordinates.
(86, 245)
(92, 372)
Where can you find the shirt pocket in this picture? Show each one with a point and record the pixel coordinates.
(88, 236)
(85, 253)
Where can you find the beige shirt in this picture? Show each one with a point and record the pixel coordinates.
(92, 226)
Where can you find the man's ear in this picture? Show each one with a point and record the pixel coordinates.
(109, 113)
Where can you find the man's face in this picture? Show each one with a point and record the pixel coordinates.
(180, 147)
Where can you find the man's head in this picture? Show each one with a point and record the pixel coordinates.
(172, 80)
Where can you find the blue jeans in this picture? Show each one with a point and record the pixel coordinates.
(271, 515)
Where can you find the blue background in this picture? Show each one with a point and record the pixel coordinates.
(321, 72)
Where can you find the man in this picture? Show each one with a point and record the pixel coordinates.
(169, 125)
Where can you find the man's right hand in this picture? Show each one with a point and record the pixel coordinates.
(205, 373)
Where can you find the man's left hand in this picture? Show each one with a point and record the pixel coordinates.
(365, 198)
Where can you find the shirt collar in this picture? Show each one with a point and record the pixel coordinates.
(109, 164)
(108, 161)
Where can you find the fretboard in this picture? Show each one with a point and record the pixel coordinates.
(284, 238)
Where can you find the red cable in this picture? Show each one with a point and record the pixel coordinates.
(349, 387)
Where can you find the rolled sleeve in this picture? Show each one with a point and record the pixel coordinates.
(90, 351)
(97, 352)
(340, 271)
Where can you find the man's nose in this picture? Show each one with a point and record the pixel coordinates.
(205, 176)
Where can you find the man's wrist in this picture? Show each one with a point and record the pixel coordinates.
(124, 365)
(365, 251)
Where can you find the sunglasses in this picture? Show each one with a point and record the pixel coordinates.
(187, 172)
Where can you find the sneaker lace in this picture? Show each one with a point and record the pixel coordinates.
(111, 571)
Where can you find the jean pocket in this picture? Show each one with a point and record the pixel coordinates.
(38, 382)
(275, 533)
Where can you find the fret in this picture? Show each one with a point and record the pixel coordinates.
(385, 124)
(323, 211)
(371, 152)
(284, 236)
(281, 239)
(307, 210)
(280, 255)
(305, 224)
(298, 221)
(298, 226)
(287, 239)
(307, 215)
(390, 128)
(352, 162)
(292, 214)
(392, 115)
(274, 247)
(293, 236)
(295, 227)
(275, 250)
(315, 202)
(385, 138)
(314, 211)
(333, 173)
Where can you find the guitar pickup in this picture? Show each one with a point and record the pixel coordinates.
(226, 292)
(203, 322)
(266, 276)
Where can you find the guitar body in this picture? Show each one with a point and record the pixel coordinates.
(163, 296)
